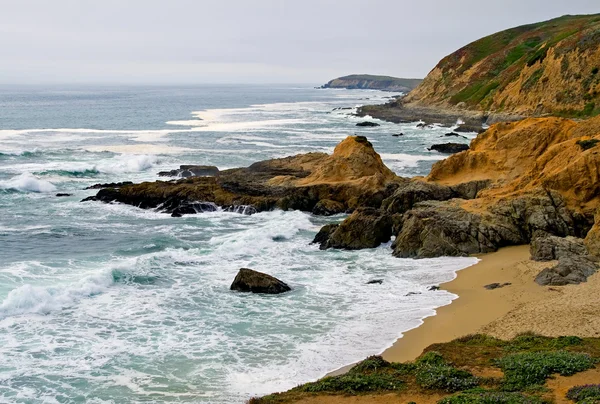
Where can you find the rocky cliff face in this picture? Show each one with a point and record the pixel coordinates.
(370, 82)
(546, 68)
(536, 153)
(518, 182)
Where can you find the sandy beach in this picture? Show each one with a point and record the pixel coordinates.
(505, 312)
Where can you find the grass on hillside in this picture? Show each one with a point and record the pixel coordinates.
(502, 57)
(527, 362)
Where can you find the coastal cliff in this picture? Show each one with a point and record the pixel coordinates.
(372, 82)
(548, 68)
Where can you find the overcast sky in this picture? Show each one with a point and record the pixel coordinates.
(300, 41)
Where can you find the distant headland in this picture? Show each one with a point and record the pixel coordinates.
(372, 82)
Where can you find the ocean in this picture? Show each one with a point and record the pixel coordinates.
(108, 303)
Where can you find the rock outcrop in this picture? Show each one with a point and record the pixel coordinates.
(526, 177)
(248, 280)
(353, 176)
(365, 228)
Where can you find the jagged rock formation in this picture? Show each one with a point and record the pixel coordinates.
(248, 280)
(517, 180)
(365, 228)
(352, 176)
(371, 82)
(550, 67)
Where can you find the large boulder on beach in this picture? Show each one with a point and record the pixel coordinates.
(249, 280)
(569, 271)
(546, 247)
(364, 228)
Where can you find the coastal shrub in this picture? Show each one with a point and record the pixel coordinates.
(523, 370)
(595, 71)
(531, 341)
(589, 109)
(446, 378)
(537, 56)
(432, 358)
(490, 397)
(354, 383)
(533, 79)
(479, 339)
(433, 372)
(589, 393)
(371, 364)
(587, 144)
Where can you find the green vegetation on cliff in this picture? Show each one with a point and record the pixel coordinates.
(447, 369)
(549, 67)
(371, 82)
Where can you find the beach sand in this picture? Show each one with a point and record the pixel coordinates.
(505, 312)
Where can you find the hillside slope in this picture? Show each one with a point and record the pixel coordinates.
(552, 67)
(371, 82)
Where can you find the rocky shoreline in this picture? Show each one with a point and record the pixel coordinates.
(398, 111)
(474, 202)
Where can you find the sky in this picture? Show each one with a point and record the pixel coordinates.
(247, 41)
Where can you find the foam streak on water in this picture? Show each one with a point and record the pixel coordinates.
(111, 303)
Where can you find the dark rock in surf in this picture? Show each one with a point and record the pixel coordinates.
(367, 124)
(452, 134)
(110, 185)
(469, 128)
(365, 228)
(375, 281)
(186, 171)
(449, 148)
(328, 207)
(63, 195)
(248, 280)
(324, 234)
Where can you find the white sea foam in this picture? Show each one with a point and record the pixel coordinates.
(124, 163)
(27, 183)
(43, 300)
(402, 160)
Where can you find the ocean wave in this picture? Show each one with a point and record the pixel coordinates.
(125, 163)
(27, 183)
(29, 299)
(21, 153)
